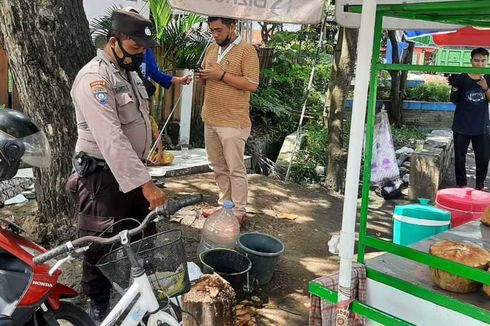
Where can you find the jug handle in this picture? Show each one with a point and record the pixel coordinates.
(424, 201)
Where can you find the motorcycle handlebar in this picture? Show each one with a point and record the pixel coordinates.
(165, 211)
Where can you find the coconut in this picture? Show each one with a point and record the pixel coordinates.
(485, 219)
(464, 253)
(486, 288)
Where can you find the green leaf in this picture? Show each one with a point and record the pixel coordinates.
(100, 26)
(162, 14)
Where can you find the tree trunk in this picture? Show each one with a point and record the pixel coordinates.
(211, 301)
(407, 59)
(341, 74)
(395, 112)
(47, 42)
(398, 80)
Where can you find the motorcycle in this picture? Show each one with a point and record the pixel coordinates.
(31, 294)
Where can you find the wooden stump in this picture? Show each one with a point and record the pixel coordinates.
(211, 301)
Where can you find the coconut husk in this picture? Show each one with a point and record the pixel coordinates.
(485, 219)
(486, 288)
(464, 253)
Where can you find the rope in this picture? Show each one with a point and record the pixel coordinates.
(199, 62)
(307, 94)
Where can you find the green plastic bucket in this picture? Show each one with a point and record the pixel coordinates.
(263, 250)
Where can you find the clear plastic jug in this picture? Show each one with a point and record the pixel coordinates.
(221, 229)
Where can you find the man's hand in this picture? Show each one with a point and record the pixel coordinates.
(198, 78)
(154, 195)
(214, 72)
(185, 80)
(155, 159)
(483, 83)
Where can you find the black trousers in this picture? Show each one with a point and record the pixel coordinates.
(481, 147)
(100, 204)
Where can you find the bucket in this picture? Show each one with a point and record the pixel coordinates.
(263, 250)
(228, 263)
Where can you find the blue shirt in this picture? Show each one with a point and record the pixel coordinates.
(150, 70)
(471, 115)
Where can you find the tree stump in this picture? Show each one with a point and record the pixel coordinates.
(211, 301)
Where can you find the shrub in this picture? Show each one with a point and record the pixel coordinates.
(313, 155)
(430, 92)
(404, 135)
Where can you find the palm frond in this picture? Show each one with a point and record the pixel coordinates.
(182, 43)
(100, 26)
(162, 14)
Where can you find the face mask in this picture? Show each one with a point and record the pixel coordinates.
(226, 41)
(136, 59)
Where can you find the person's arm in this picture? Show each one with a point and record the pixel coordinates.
(239, 82)
(184, 80)
(154, 195)
(215, 72)
(484, 85)
(249, 81)
(154, 73)
(456, 85)
(197, 72)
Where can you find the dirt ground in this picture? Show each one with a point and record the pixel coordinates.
(303, 218)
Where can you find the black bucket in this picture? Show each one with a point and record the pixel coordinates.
(228, 263)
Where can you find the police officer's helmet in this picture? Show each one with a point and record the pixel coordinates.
(21, 140)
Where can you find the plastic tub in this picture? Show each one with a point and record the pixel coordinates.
(464, 204)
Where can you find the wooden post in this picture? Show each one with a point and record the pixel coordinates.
(211, 301)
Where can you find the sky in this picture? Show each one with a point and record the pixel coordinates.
(98, 8)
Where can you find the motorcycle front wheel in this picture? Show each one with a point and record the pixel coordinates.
(68, 314)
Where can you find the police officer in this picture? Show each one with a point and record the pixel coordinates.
(111, 182)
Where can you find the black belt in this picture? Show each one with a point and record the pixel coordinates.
(102, 164)
(85, 164)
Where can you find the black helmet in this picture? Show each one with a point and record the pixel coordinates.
(20, 140)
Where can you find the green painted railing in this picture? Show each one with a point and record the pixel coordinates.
(449, 69)
(357, 307)
(426, 294)
(475, 274)
(477, 13)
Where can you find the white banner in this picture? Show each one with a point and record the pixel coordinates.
(353, 20)
(274, 11)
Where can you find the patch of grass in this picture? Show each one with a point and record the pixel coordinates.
(429, 92)
(403, 136)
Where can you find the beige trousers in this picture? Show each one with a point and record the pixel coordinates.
(225, 147)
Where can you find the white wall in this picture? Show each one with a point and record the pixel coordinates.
(98, 8)
(413, 309)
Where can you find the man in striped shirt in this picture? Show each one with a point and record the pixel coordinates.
(230, 73)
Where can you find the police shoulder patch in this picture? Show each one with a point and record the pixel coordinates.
(95, 83)
(100, 92)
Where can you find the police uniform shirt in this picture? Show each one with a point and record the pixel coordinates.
(113, 120)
